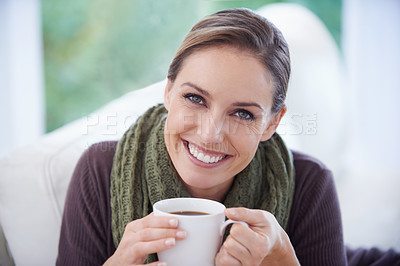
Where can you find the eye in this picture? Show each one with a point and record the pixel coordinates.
(194, 98)
(244, 114)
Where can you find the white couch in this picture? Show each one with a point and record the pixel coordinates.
(33, 180)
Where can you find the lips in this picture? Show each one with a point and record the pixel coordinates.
(204, 157)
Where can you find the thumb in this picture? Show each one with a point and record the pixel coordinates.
(236, 214)
(251, 217)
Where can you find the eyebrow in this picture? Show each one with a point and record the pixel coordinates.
(206, 93)
(244, 104)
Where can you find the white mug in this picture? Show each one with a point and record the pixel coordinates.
(203, 232)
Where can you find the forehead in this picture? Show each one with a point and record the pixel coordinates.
(229, 70)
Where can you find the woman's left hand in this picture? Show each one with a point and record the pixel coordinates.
(264, 242)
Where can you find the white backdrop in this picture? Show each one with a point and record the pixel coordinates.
(21, 74)
(370, 196)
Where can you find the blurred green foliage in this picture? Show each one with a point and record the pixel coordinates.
(97, 50)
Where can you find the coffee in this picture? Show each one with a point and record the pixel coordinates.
(190, 213)
(204, 222)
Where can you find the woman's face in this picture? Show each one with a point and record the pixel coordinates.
(218, 112)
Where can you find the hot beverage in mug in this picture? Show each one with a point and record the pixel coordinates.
(204, 223)
(190, 213)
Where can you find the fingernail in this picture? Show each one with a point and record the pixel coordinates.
(170, 242)
(181, 234)
(161, 264)
(231, 212)
(173, 222)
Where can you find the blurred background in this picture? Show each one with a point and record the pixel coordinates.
(92, 51)
(61, 60)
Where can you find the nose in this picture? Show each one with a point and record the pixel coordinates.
(212, 128)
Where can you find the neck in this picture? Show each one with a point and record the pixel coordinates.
(216, 193)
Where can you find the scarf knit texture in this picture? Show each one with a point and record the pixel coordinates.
(143, 173)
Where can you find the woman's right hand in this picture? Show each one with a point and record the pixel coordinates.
(145, 236)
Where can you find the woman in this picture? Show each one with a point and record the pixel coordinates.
(213, 138)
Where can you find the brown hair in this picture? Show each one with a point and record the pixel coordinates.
(244, 29)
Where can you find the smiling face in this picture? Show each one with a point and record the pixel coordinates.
(218, 112)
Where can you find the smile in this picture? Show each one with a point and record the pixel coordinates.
(201, 156)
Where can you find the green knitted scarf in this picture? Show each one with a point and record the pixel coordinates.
(142, 174)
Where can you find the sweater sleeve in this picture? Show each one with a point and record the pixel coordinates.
(85, 231)
(315, 226)
(373, 257)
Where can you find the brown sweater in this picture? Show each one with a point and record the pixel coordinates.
(314, 228)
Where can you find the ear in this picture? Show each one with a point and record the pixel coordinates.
(167, 94)
(273, 124)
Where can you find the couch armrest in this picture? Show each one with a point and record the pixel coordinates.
(5, 257)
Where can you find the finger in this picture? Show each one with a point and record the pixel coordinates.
(141, 249)
(261, 236)
(159, 221)
(150, 234)
(236, 249)
(151, 221)
(239, 240)
(246, 244)
(156, 263)
(224, 258)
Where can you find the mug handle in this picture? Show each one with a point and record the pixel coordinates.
(228, 222)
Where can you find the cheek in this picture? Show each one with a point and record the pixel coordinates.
(245, 141)
(171, 135)
(248, 133)
(180, 120)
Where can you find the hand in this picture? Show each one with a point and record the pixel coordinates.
(144, 236)
(264, 242)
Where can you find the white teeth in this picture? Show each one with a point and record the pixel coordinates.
(200, 157)
(190, 149)
(204, 158)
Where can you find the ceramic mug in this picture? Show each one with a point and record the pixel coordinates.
(204, 223)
